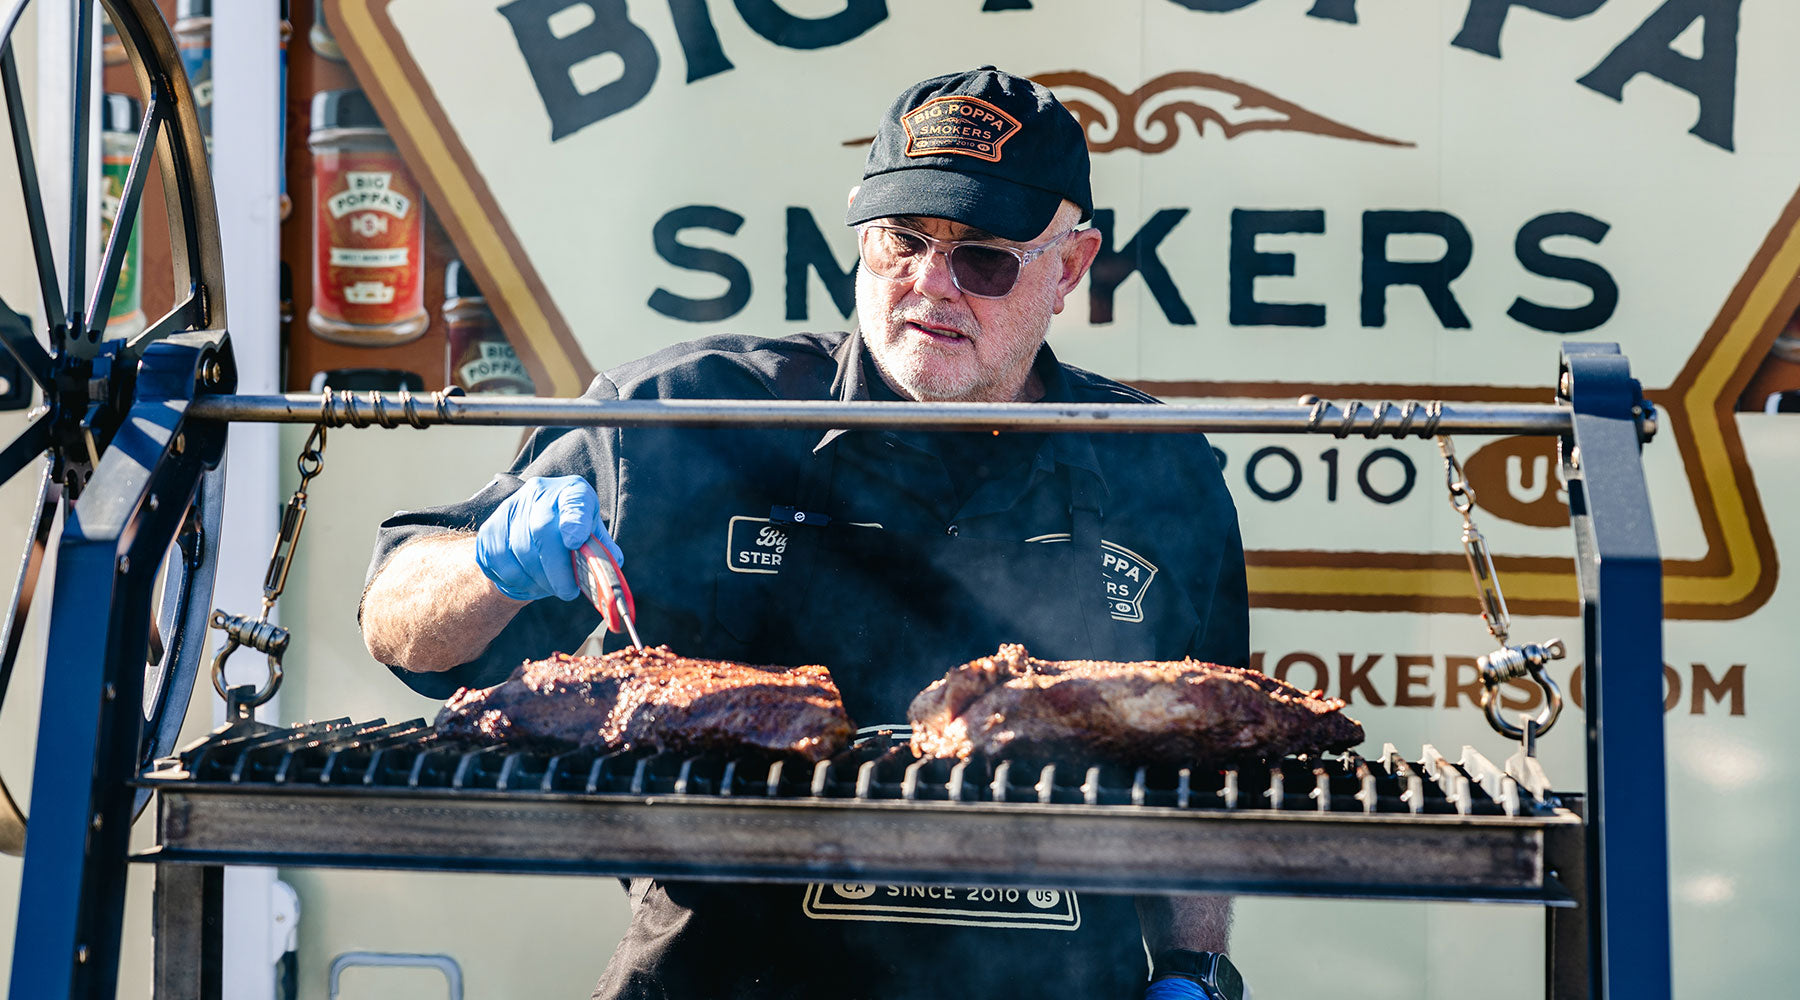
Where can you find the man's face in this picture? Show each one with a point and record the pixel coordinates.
(932, 342)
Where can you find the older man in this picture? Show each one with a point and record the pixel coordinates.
(887, 556)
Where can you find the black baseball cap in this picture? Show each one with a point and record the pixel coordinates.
(984, 148)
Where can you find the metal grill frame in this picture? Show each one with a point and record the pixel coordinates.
(380, 795)
(1615, 867)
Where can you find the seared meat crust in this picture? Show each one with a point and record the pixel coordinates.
(1013, 705)
(654, 699)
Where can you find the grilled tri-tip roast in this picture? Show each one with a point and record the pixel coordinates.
(1013, 705)
(654, 699)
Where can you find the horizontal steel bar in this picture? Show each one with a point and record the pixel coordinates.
(1105, 849)
(1366, 419)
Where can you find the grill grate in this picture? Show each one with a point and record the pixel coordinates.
(409, 755)
(397, 795)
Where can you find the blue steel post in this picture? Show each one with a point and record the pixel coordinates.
(71, 900)
(1620, 575)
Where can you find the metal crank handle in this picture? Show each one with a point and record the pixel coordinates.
(604, 585)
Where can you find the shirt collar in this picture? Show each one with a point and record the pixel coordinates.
(857, 379)
(855, 370)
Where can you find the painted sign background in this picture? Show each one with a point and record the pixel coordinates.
(1284, 213)
(1410, 199)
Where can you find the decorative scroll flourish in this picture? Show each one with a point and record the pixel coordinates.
(1148, 119)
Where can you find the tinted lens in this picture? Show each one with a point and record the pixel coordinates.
(983, 270)
(892, 253)
(979, 270)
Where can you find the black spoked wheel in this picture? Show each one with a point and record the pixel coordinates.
(88, 381)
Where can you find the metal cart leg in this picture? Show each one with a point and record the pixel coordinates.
(189, 928)
(1566, 927)
(1620, 574)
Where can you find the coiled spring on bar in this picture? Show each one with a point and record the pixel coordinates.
(1413, 417)
(343, 407)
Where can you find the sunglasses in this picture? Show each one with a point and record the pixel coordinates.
(984, 270)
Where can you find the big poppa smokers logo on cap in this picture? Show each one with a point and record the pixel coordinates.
(961, 126)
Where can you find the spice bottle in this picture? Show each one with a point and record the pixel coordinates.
(320, 36)
(368, 232)
(476, 351)
(193, 36)
(120, 117)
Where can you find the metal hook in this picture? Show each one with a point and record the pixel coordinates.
(1509, 662)
(312, 455)
(258, 634)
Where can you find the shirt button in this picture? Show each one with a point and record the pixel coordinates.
(951, 531)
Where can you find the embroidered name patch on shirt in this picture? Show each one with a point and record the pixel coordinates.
(760, 545)
(979, 906)
(1127, 577)
(755, 545)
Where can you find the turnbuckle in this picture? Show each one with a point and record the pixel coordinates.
(1509, 662)
(259, 633)
(310, 463)
(1475, 550)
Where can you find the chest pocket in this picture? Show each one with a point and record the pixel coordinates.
(1152, 615)
(758, 571)
(743, 607)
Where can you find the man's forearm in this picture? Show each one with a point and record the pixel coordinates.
(1196, 923)
(430, 608)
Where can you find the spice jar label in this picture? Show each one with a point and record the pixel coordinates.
(369, 246)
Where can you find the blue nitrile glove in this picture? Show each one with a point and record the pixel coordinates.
(523, 547)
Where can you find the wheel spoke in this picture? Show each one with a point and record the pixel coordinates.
(188, 314)
(34, 199)
(12, 824)
(100, 306)
(33, 439)
(78, 160)
(43, 519)
(12, 18)
(15, 333)
(12, 821)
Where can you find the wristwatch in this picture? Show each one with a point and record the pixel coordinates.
(1210, 969)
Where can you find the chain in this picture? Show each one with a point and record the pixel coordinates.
(258, 633)
(1507, 662)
